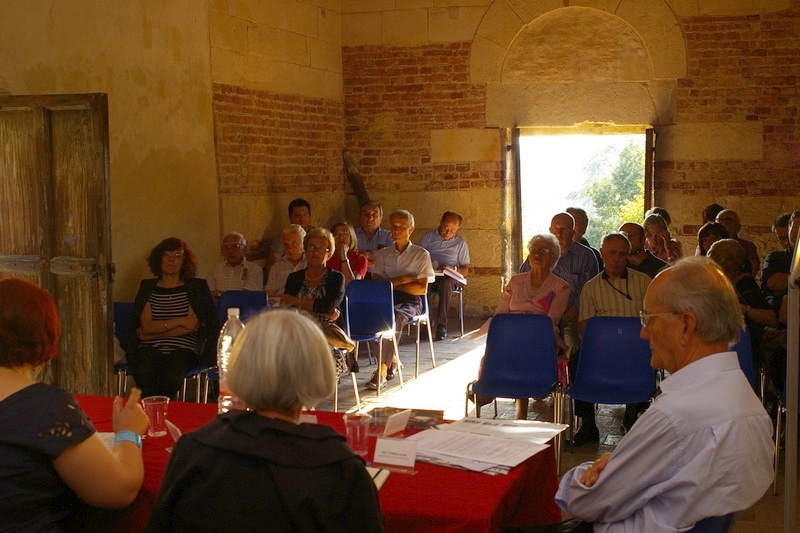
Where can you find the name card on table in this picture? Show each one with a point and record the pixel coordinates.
(398, 453)
(306, 418)
(397, 423)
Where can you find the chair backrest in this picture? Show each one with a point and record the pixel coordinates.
(249, 303)
(123, 316)
(370, 307)
(744, 350)
(714, 524)
(614, 364)
(520, 357)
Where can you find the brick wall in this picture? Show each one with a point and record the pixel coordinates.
(275, 143)
(394, 97)
(743, 68)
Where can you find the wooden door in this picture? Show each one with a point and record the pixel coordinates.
(55, 231)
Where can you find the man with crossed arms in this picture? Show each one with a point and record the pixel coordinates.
(704, 447)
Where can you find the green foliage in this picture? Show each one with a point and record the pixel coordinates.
(614, 190)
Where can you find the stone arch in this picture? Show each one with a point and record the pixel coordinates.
(603, 62)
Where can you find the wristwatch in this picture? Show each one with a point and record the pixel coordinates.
(129, 436)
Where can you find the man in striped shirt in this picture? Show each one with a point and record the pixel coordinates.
(616, 291)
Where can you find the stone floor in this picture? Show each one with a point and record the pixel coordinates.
(443, 388)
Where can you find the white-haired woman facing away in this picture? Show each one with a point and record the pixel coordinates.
(260, 469)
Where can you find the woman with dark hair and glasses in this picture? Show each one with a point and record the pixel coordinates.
(175, 324)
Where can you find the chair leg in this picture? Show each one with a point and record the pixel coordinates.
(198, 379)
(430, 343)
(781, 410)
(416, 350)
(558, 417)
(461, 310)
(397, 360)
(182, 394)
(355, 390)
(336, 395)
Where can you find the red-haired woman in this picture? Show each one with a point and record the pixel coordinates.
(49, 451)
(175, 325)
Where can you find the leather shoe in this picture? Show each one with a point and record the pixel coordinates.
(372, 384)
(441, 332)
(586, 434)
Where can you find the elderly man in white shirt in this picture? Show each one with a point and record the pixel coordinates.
(704, 448)
(409, 269)
(292, 260)
(235, 273)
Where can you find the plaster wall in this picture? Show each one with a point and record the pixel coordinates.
(152, 60)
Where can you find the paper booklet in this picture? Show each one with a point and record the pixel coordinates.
(455, 274)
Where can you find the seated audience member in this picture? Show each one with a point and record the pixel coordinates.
(780, 228)
(758, 314)
(175, 325)
(660, 211)
(235, 273)
(658, 239)
(50, 454)
(708, 234)
(272, 249)
(346, 259)
(710, 213)
(704, 447)
(537, 292)
(616, 291)
(640, 258)
(581, 225)
(293, 259)
(730, 219)
(261, 468)
(409, 269)
(775, 274)
(370, 235)
(317, 288)
(447, 249)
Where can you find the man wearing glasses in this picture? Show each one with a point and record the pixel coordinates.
(235, 273)
(704, 447)
(616, 291)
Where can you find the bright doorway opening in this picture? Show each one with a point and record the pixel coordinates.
(603, 174)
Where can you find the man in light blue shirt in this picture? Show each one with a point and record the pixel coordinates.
(704, 448)
(447, 249)
(371, 237)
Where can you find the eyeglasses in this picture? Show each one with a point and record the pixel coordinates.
(176, 255)
(541, 251)
(645, 317)
(315, 248)
(232, 246)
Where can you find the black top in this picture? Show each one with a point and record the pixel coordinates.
(651, 265)
(244, 472)
(750, 294)
(203, 305)
(37, 424)
(775, 263)
(331, 294)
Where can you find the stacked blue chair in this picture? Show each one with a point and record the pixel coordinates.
(423, 319)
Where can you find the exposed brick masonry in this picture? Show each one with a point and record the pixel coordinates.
(743, 68)
(394, 97)
(268, 143)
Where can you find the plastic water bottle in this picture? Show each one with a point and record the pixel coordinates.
(230, 330)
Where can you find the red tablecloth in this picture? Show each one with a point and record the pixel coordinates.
(436, 498)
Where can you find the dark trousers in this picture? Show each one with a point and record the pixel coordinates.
(444, 286)
(160, 374)
(406, 307)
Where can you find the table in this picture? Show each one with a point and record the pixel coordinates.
(436, 498)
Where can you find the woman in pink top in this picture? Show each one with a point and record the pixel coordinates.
(537, 292)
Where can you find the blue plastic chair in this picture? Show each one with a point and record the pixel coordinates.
(519, 362)
(744, 350)
(423, 319)
(715, 524)
(123, 317)
(249, 303)
(369, 316)
(614, 364)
